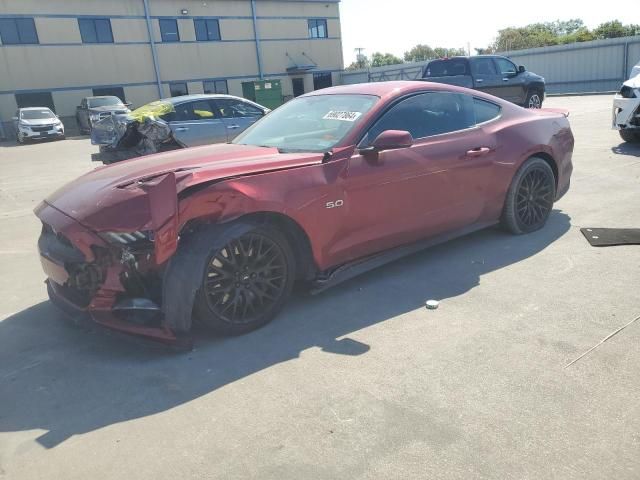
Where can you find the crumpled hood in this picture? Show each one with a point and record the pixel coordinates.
(110, 197)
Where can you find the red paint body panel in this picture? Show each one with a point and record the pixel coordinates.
(440, 184)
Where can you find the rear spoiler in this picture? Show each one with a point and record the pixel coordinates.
(558, 111)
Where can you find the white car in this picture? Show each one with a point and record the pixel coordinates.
(37, 123)
(626, 108)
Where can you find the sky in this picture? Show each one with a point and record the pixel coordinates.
(396, 26)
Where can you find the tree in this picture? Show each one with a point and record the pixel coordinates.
(615, 29)
(422, 52)
(419, 53)
(381, 59)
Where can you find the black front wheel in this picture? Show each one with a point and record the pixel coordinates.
(246, 282)
(530, 197)
(630, 135)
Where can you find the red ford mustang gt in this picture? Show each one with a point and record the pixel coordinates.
(327, 186)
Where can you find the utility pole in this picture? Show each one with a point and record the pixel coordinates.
(360, 57)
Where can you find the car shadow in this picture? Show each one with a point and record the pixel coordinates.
(626, 148)
(67, 380)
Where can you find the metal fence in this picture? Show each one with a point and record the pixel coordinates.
(597, 66)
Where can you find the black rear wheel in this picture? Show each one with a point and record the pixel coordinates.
(246, 282)
(530, 197)
(533, 100)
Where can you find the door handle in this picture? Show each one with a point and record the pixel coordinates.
(478, 151)
(182, 129)
(505, 79)
(479, 80)
(233, 127)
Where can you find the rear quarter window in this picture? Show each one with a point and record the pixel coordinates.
(485, 111)
(451, 67)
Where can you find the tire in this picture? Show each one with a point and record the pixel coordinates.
(19, 139)
(526, 211)
(533, 100)
(239, 292)
(630, 135)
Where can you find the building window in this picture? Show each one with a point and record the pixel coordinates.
(206, 30)
(178, 89)
(16, 31)
(216, 86)
(95, 30)
(110, 92)
(322, 80)
(169, 30)
(35, 99)
(318, 28)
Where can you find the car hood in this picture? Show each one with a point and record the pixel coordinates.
(110, 197)
(39, 121)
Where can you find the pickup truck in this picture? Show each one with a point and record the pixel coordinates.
(491, 74)
(92, 109)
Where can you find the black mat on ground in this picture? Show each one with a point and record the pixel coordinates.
(607, 237)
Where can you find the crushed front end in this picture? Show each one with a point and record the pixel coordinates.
(113, 277)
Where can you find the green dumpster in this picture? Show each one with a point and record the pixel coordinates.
(267, 93)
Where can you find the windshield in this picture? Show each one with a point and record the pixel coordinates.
(312, 124)
(104, 102)
(36, 114)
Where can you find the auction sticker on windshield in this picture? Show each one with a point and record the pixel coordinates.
(344, 116)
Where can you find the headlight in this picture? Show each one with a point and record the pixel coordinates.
(137, 238)
(627, 92)
(22, 125)
(94, 117)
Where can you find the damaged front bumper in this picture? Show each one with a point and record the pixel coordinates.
(116, 283)
(626, 112)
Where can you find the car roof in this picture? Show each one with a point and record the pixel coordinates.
(385, 89)
(102, 96)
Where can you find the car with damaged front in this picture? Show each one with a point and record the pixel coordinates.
(93, 109)
(172, 123)
(626, 108)
(329, 185)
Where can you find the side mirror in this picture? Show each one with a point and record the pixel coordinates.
(390, 140)
(521, 69)
(15, 119)
(128, 104)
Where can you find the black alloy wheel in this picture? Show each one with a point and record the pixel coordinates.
(246, 282)
(533, 201)
(530, 198)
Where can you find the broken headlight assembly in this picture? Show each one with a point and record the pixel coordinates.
(627, 92)
(138, 238)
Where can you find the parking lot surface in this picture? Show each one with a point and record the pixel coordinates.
(358, 382)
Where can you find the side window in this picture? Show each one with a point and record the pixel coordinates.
(169, 30)
(506, 67)
(235, 109)
(482, 66)
(427, 114)
(193, 111)
(485, 111)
